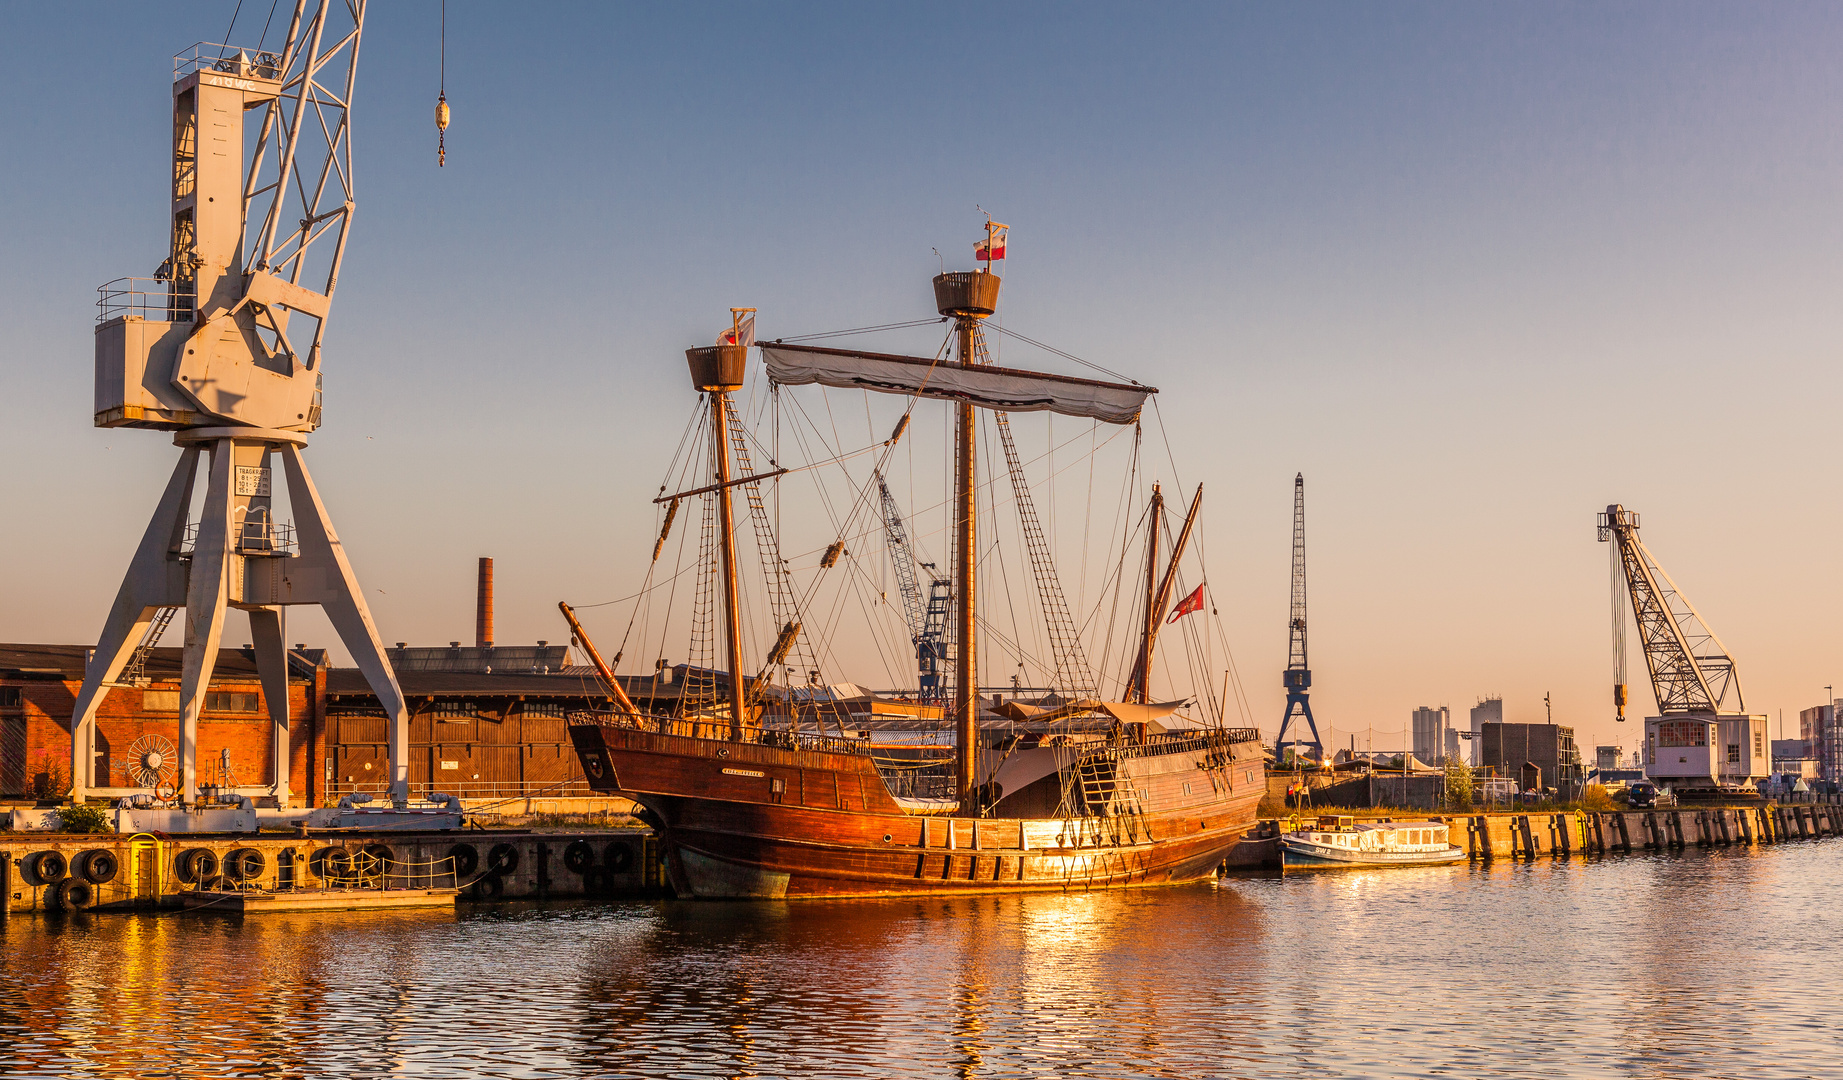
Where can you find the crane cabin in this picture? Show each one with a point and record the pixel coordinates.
(1719, 752)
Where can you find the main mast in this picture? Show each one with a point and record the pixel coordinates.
(717, 370)
(967, 297)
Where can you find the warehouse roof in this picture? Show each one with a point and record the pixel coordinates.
(28, 661)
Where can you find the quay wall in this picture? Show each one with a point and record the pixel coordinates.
(146, 871)
(1527, 836)
(1550, 833)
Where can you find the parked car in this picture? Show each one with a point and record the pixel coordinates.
(1645, 794)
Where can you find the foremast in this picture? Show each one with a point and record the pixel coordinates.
(717, 370)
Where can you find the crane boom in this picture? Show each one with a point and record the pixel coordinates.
(926, 616)
(914, 608)
(1691, 670)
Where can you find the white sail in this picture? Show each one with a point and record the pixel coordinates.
(988, 387)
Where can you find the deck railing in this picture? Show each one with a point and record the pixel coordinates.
(144, 298)
(717, 729)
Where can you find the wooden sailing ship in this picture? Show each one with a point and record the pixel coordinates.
(760, 791)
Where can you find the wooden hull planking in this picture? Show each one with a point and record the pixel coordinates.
(748, 820)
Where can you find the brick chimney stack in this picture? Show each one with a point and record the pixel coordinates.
(483, 616)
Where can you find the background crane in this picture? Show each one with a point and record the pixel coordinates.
(926, 616)
(1298, 675)
(1702, 740)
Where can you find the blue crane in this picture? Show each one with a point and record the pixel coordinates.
(926, 616)
(1298, 674)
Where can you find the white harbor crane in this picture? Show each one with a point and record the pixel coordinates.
(224, 347)
(1703, 740)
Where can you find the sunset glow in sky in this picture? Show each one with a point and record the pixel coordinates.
(1476, 271)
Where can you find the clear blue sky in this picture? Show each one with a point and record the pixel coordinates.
(1476, 271)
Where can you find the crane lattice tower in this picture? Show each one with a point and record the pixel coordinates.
(1298, 675)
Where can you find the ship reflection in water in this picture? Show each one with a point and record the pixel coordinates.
(1691, 964)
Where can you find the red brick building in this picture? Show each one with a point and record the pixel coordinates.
(38, 689)
(496, 731)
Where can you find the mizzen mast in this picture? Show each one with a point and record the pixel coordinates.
(1138, 685)
(967, 297)
(1151, 595)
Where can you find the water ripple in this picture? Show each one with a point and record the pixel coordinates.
(1679, 965)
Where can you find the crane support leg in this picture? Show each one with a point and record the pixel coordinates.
(1303, 705)
(154, 581)
(272, 667)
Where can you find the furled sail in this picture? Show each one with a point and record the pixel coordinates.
(989, 387)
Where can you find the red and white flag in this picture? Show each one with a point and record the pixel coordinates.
(741, 334)
(992, 248)
(1193, 602)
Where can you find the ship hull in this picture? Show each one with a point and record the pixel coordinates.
(747, 820)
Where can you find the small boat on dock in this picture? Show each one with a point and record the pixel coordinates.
(1338, 843)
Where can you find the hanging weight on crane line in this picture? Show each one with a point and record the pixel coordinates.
(441, 97)
(441, 131)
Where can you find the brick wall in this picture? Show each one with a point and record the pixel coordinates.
(46, 706)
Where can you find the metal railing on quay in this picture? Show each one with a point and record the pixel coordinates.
(468, 789)
(146, 298)
(361, 869)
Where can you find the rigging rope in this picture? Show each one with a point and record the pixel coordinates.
(863, 330)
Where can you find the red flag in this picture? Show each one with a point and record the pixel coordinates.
(992, 248)
(1193, 602)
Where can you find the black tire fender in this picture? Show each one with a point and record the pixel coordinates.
(98, 867)
(502, 859)
(466, 859)
(619, 858)
(579, 857)
(245, 864)
(70, 894)
(330, 862)
(49, 867)
(196, 864)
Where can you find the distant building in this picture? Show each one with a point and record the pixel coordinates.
(1489, 710)
(1430, 732)
(1453, 753)
(1507, 748)
(1796, 756)
(1606, 758)
(1823, 739)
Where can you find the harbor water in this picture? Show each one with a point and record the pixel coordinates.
(1713, 963)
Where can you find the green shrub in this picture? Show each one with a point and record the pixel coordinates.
(84, 819)
(1458, 784)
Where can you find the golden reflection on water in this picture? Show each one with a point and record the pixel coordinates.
(1697, 963)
